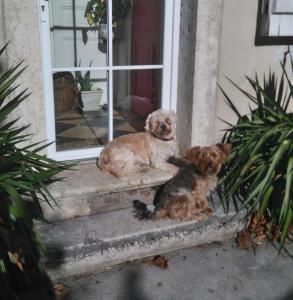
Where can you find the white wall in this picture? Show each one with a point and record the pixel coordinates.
(21, 28)
(239, 56)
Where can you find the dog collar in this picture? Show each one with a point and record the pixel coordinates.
(168, 140)
(165, 140)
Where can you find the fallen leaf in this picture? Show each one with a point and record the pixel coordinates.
(243, 239)
(60, 290)
(256, 232)
(158, 261)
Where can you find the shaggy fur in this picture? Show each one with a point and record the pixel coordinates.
(185, 196)
(137, 152)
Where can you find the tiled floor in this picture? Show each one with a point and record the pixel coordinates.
(75, 130)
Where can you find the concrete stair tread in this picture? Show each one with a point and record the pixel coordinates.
(85, 243)
(88, 178)
(104, 228)
(87, 191)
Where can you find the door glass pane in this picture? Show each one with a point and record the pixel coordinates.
(76, 39)
(81, 110)
(135, 94)
(138, 32)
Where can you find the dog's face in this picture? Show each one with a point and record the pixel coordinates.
(208, 159)
(162, 124)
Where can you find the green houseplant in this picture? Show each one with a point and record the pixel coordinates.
(96, 15)
(90, 98)
(24, 176)
(259, 173)
(96, 11)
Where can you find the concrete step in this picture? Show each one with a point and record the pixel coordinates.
(86, 191)
(84, 244)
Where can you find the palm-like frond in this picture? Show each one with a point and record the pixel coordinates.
(24, 173)
(259, 170)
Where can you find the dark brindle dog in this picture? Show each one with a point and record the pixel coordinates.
(185, 196)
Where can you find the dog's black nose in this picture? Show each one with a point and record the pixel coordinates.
(163, 126)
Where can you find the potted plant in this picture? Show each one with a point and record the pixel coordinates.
(90, 98)
(96, 14)
(259, 173)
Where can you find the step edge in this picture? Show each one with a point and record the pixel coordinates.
(91, 191)
(141, 249)
(74, 251)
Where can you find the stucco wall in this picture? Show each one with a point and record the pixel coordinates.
(239, 56)
(3, 62)
(188, 16)
(20, 26)
(200, 38)
(206, 63)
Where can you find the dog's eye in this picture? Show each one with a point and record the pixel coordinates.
(168, 121)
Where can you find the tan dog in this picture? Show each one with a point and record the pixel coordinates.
(137, 152)
(185, 196)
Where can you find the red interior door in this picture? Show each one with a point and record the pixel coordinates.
(146, 49)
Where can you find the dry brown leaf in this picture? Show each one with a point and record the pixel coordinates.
(255, 233)
(158, 261)
(243, 239)
(17, 259)
(60, 290)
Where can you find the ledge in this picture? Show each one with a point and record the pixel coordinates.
(87, 191)
(88, 178)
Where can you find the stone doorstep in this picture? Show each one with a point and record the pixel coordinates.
(86, 191)
(84, 244)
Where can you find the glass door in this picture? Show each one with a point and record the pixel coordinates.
(107, 65)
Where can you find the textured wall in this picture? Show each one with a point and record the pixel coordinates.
(21, 28)
(186, 71)
(208, 33)
(3, 60)
(239, 56)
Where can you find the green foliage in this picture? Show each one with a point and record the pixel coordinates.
(24, 176)
(85, 80)
(96, 11)
(258, 174)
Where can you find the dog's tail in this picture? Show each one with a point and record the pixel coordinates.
(141, 210)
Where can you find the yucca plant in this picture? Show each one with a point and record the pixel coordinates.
(258, 175)
(84, 81)
(24, 176)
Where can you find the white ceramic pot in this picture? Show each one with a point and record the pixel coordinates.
(91, 99)
(103, 32)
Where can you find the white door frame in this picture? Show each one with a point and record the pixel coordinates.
(169, 74)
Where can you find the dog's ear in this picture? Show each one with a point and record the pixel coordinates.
(225, 148)
(148, 120)
(172, 116)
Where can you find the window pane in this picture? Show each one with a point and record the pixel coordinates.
(73, 41)
(81, 110)
(135, 95)
(138, 32)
